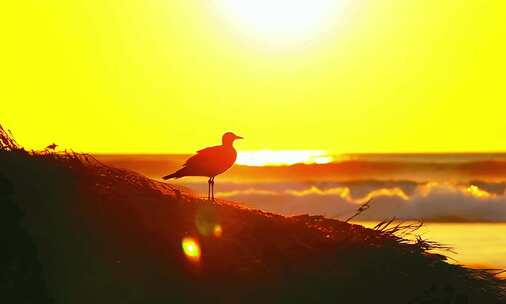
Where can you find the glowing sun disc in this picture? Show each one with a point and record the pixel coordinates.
(282, 20)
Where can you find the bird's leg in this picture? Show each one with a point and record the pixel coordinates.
(212, 187)
(209, 188)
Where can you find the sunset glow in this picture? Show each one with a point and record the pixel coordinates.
(282, 158)
(172, 76)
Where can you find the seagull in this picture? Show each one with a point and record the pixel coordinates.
(52, 147)
(210, 162)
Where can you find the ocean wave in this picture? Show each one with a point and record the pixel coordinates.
(427, 201)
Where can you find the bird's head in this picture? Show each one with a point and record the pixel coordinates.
(229, 137)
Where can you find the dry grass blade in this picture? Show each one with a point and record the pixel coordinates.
(361, 209)
(7, 141)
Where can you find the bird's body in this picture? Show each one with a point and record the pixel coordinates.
(210, 162)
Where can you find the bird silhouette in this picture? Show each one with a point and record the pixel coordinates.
(210, 162)
(52, 147)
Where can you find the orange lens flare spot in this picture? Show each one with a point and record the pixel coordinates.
(191, 249)
(217, 231)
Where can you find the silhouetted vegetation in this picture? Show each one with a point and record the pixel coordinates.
(21, 279)
(106, 235)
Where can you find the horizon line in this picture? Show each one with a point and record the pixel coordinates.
(329, 153)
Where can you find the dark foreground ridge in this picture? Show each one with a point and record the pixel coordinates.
(77, 231)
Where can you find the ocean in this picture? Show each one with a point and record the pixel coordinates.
(477, 245)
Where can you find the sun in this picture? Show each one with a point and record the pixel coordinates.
(282, 20)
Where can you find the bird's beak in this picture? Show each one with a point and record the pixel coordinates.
(239, 137)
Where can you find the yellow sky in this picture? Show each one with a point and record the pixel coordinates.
(171, 76)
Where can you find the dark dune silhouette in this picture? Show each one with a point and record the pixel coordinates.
(106, 235)
(210, 162)
(21, 278)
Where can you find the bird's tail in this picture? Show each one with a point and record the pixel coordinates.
(177, 174)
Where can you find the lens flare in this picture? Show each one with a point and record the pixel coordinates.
(217, 231)
(206, 220)
(191, 249)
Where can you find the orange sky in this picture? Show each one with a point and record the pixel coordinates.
(172, 76)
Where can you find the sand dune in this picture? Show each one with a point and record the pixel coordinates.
(106, 235)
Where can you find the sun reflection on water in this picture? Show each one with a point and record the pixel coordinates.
(283, 157)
